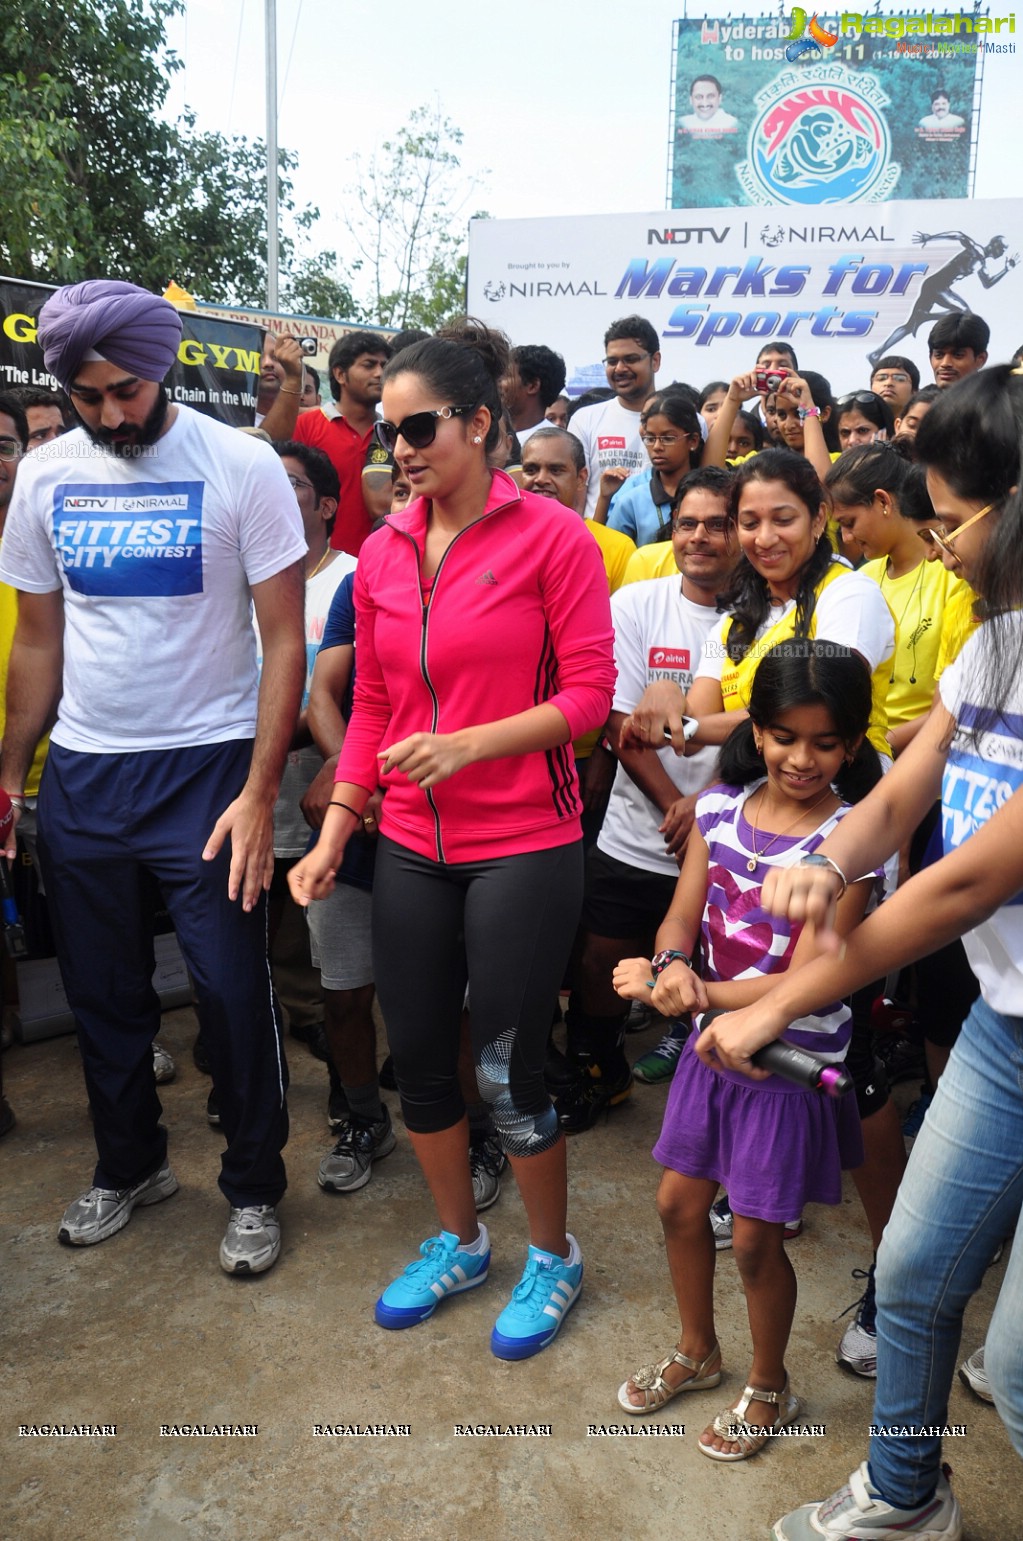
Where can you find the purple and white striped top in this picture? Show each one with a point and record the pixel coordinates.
(740, 939)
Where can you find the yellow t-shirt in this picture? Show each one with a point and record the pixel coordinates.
(918, 601)
(957, 626)
(654, 561)
(8, 621)
(737, 678)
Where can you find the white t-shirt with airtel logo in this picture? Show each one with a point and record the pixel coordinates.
(156, 556)
(659, 634)
(609, 434)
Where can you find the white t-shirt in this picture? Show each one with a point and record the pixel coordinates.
(156, 556)
(291, 832)
(979, 777)
(659, 635)
(851, 611)
(609, 434)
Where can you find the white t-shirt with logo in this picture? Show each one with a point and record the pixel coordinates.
(980, 775)
(659, 634)
(156, 556)
(609, 434)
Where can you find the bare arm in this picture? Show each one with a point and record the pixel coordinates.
(279, 602)
(280, 421)
(646, 770)
(331, 674)
(742, 389)
(34, 680)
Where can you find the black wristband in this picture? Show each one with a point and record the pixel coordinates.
(337, 803)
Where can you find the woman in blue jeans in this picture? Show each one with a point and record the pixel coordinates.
(963, 1188)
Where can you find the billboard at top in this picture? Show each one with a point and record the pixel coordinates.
(803, 110)
(843, 285)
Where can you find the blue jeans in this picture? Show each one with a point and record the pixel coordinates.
(960, 1196)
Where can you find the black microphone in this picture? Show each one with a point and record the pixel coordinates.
(796, 1065)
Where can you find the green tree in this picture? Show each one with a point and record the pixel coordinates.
(316, 288)
(406, 214)
(94, 182)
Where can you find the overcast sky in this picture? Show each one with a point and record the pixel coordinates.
(566, 106)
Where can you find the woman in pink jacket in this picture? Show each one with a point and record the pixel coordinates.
(484, 647)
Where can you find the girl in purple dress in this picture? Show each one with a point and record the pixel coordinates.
(786, 777)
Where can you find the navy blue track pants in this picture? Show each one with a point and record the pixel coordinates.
(113, 827)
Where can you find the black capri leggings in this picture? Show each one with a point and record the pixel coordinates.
(505, 926)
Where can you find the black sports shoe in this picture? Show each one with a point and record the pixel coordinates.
(562, 1072)
(213, 1110)
(200, 1058)
(579, 1108)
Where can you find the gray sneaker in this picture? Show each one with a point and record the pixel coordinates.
(102, 1212)
(349, 1165)
(486, 1163)
(163, 1066)
(973, 1374)
(859, 1510)
(252, 1241)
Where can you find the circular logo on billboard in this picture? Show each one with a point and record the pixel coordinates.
(494, 292)
(772, 235)
(820, 142)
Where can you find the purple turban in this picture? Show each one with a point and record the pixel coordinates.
(128, 326)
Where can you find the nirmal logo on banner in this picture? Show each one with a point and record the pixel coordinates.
(808, 109)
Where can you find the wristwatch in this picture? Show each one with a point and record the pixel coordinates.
(660, 961)
(817, 860)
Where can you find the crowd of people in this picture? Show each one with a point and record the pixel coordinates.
(458, 697)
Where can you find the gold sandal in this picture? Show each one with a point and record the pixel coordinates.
(730, 1423)
(656, 1390)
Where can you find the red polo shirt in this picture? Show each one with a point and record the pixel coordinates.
(328, 430)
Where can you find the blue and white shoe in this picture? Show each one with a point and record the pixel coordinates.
(443, 1269)
(541, 1300)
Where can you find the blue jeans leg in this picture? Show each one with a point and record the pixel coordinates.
(960, 1196)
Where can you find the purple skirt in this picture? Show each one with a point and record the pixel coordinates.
(773, 1146)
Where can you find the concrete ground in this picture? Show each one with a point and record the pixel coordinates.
(146, 1330)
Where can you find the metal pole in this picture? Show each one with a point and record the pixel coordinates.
(271, 155)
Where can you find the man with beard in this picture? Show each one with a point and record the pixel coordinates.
(138, 543)
(343, 428)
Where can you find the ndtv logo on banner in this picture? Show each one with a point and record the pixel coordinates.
(686, 235)
(668, 658)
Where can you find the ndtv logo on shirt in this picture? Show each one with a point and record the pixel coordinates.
(668, 658)
(610, 441)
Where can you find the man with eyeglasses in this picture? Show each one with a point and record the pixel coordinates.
(13, 444)
(139, 544)
(610, 431)
(660, 627)
(895, 379)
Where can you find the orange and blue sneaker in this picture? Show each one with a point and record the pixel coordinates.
(443, 1269)
(543, 1297)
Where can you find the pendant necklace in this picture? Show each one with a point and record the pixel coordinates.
(754, 861)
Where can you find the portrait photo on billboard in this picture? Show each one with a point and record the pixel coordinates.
(858, 108)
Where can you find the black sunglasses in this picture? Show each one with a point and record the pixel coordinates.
(858, 399)
(419, 430)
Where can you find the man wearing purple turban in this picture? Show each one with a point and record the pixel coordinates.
(139, 543)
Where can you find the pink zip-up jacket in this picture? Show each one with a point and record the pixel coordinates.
(517, 614)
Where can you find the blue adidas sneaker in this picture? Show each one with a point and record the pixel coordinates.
(443, 1269)
(541, 1300)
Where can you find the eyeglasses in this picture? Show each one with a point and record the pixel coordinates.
(667, 439)
(896, 377)
(858, 399)
(937, 537)
(11, 449)
(685, 526)
(418, 430)
(626, 358)
(297, 482)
